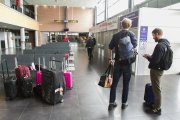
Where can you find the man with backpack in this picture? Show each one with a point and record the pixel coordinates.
(124, 43)
(90, 45)
(160, 60)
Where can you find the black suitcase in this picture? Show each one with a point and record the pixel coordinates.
(37, 91)
(25, 85)
(25, 81)
(148, 95)
(52, 86)
(10, 86)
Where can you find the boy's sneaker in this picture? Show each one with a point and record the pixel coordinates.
(124, 105)
(112, 106)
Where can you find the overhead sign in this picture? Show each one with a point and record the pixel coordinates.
(103, 26)
(92, 29)
(112, 24)
(66, 21)
(133, 16)
(72, 21)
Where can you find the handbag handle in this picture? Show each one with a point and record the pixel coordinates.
(108, 70)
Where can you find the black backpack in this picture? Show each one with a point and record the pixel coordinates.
(167, 59)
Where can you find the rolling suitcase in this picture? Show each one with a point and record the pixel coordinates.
(66, 56)
(68, 79)
(148, 95)
(9, 84)
(52, 86)
(39, 75)
(24, 81)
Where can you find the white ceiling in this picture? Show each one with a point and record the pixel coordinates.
(69, 3)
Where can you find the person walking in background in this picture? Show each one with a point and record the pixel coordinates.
(155, 67)
(124, 43)
(90, 46)
(94, 39)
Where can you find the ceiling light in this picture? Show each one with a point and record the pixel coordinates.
(45, 6)
(83, 8)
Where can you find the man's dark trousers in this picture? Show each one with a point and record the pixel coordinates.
(89, 50)
(119, 70)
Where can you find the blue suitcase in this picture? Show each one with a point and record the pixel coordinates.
(148, 95)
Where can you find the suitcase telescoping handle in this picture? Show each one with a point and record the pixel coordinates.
(39, 63)
(3, 68)
(53, 60)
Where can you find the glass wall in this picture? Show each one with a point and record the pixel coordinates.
(116, 6)
(101, 11)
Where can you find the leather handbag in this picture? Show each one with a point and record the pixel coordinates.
(106, 79)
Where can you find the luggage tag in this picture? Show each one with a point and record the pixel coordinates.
(59, 90)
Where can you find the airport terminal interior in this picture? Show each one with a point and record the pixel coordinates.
(47, 40)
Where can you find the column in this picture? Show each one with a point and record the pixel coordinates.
(36, 32)
(130, 5)
(22, 38)
(106, 10)
(13, 39)
(10, 40)
(95, 15)
(66, 17)
(6, 40)
(35, 12)
(36, 38)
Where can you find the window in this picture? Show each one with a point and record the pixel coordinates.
(101, 11)
(116, 6)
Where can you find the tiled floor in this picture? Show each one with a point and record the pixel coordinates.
(88, 101)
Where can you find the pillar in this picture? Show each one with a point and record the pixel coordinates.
(22, 38)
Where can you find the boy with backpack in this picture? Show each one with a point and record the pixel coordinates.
(124, 43)
(90, 45)
(160, 60)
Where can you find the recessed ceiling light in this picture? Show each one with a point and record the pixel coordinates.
(83, 7)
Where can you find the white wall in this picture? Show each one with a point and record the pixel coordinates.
(168, 21)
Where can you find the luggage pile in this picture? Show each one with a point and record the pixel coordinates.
(44, 72)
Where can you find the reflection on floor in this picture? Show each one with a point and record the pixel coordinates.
(88, 101)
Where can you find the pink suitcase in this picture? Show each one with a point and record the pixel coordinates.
(68, 79)
(38, 75)
(38, 78)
